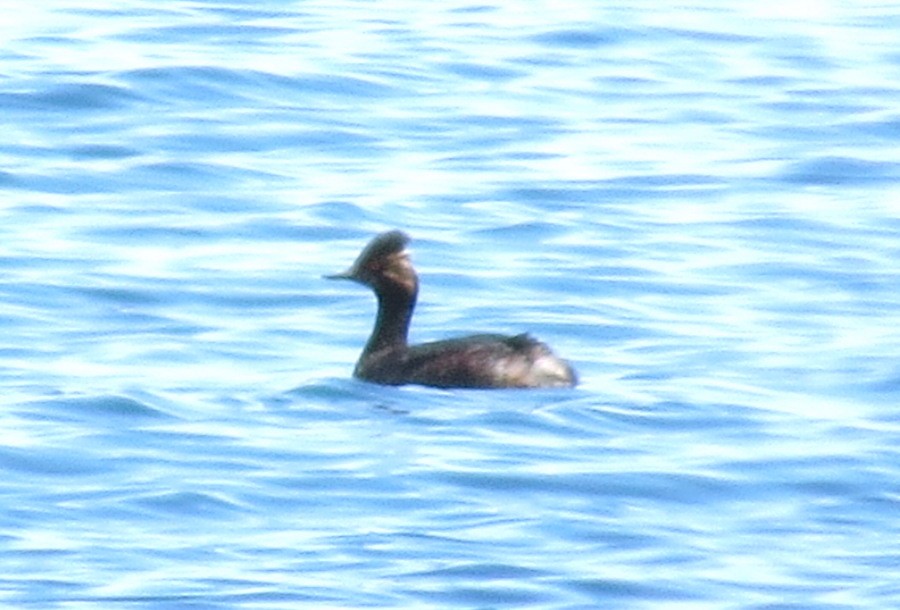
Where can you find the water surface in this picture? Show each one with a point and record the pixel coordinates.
(696, 205)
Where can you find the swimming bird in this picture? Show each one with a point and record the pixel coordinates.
(475, 361)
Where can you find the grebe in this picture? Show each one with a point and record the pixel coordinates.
(476, 361)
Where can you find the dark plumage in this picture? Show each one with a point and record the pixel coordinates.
(477, 361)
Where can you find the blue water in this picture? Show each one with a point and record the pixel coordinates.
(697, 205)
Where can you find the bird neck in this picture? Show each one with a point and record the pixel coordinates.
(395, 309)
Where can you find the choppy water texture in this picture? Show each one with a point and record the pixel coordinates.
(696, 205)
